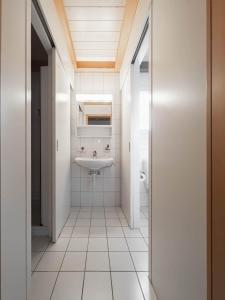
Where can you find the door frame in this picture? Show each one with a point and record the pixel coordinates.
(134, 155)
(54, 146)
(216, 148)
(48, 156)
(209, 154)
(134, 132)
(40, 27)
(28, 146)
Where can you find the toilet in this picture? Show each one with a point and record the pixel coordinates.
(144, 176)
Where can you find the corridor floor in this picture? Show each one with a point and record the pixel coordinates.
(97, 257)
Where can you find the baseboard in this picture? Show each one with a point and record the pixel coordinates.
(152, 293)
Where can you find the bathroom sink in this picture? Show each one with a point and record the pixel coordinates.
(94, 163)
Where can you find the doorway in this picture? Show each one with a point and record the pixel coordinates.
(140, 149)
(140, 133)
(41, 134)
(39, 62)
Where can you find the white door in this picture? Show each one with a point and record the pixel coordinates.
(125, 151)
(139, 95)
(61, 201)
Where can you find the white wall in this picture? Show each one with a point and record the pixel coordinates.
(55, 27)
(15, 196)
(140, 19)
(101, 110)
(179, 145)
(64, 79)
(15, 139)
(107, 188)
(179, 150)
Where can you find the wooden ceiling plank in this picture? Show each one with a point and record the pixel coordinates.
(94, 13)
(129, 14)
(95, 25)
(64, 21)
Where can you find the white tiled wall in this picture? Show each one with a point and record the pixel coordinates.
(106, 191)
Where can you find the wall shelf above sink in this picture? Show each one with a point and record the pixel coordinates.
(94, 126)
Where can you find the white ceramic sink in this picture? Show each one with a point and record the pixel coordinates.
(94, 163)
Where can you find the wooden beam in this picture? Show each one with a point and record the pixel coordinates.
(96, 64)
(129, 14)
(64, 21)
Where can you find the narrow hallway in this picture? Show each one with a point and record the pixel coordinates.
(112, 150)
(96, 257)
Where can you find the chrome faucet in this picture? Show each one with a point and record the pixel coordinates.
(94, 154)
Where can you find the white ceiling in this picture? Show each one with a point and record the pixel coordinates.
(95, 28)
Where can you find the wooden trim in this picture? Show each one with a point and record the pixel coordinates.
(96, 64)
(98, 117)
(129, 14)
(218, 149)
(97, 103)
(64, 21)
(209, 152)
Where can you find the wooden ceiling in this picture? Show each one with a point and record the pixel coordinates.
(97, 31)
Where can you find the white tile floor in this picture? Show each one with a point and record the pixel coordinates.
(97, 257)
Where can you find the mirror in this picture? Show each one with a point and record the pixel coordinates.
(94, 110)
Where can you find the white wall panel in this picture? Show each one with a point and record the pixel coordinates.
(95, 25)
(15, 140)
(179, 145)
(109, 81)
(179, 150)
(94, 13)
(95, 36)
(96, 45)
(90, 82)
(51, 16)
(15, 166)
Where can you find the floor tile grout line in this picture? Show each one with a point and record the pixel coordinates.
(60, 266)
(42, 255)
(85, 265)
(92, 271)
(65, 224)
(109, 263)
(108, 214)
(143, 238)
(43, 252)
(135, 270)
